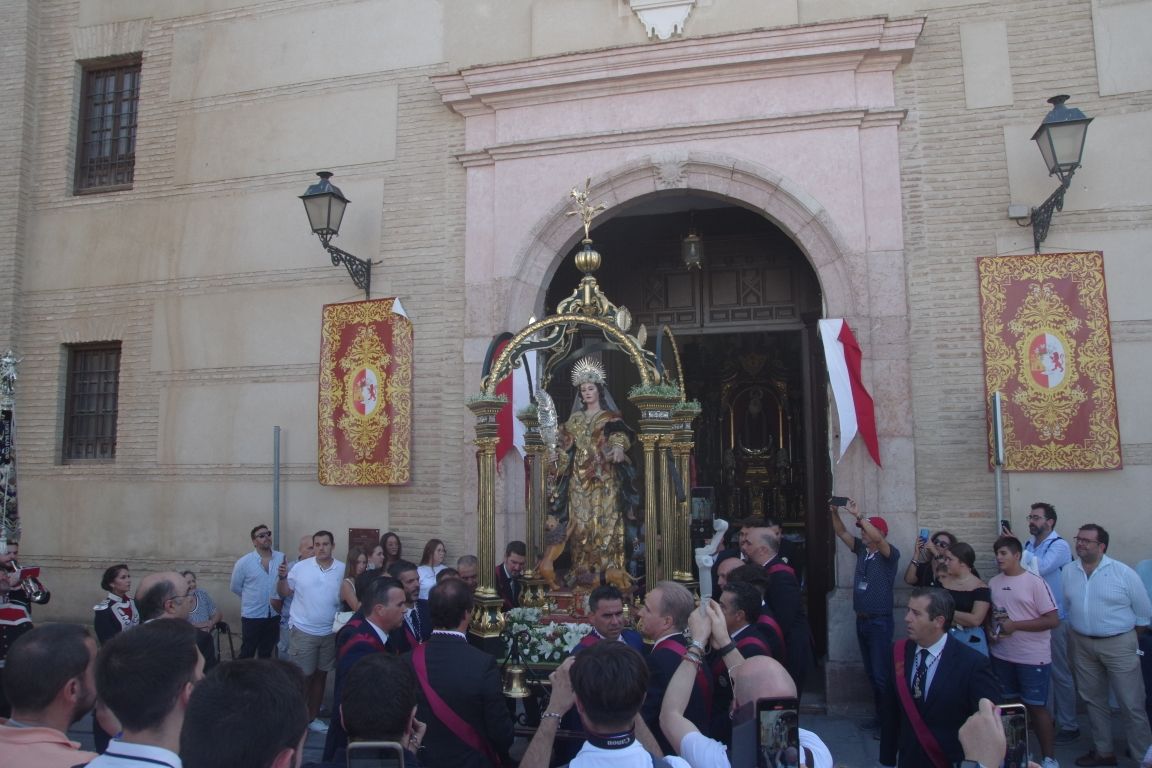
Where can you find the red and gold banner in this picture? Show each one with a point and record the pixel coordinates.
(365, 409)
(1048, 351)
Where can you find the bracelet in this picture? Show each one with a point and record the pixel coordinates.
(915, 562)
(692, 658)
(697, 645)
(556, 715)
(726, 649)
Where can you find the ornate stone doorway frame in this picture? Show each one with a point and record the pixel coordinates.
(799, 124)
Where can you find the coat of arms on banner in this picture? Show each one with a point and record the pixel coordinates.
(1048, 350)
(365, 407)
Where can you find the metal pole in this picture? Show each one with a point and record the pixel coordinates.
(998, 456)
(276, 487)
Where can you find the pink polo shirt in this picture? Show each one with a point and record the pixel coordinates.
(41, 747)
(1024, 597)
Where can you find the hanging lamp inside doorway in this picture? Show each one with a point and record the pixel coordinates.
(692, 246)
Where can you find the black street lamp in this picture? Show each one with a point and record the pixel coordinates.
(1061, 141)
(325, 204)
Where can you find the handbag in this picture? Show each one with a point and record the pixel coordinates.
(340, 620)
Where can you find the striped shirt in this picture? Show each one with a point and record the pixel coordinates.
(1109, 602)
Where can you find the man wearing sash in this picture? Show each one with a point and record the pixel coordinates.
(662, 619)
(606, 615)
(761, 546)
(937, 684)
(468, 722)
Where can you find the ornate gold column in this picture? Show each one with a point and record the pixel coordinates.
(655, 423)
(487, 618)
(682, 442)
(535, 507)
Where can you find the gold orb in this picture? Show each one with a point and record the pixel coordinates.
(587, 260)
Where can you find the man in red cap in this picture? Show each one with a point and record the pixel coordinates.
(877, 563)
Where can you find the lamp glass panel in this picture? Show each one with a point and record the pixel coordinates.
(1068, 142)
(336, 213)
(317, 209)
(1044, 141)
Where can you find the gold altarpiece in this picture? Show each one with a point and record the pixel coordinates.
(665, 432)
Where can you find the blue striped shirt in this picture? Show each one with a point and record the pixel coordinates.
(254, 585)
(1109, 602)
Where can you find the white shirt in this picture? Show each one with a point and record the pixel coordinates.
(702, 752)
(428, 578)
(632, 756)
(1109, 602)
(121, 754)
(316, 596)
(934, 652)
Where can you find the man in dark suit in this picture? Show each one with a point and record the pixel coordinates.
(937, 685)
(606, 615)
(370, 631)
(416, 626)
(468, 722)
(508, 574)
(662, 620)
(761, 546)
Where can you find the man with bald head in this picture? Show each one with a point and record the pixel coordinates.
(164, 596)
(761, 546)
(662, 620)
(754, 678)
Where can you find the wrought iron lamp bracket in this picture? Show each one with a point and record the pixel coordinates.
(1041, 217)
(360, 270)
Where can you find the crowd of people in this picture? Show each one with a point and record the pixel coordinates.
(409, 686)
(1044, 625)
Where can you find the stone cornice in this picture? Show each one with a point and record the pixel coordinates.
(847, 118)
(871, 44)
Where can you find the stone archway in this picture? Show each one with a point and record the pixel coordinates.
(746, 184)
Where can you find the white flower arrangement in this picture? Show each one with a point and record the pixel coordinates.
(545, 643)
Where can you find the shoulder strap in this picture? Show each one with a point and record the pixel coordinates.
(703, 682)
(753, 641)
(919, 727)
(774, 626)
(781, 568)
(440, 709)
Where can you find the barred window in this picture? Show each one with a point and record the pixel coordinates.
(91, 402)
(106, 140)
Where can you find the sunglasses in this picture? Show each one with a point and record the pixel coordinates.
(942, 543)
(263, 535)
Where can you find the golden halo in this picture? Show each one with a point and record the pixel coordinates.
(586, 370)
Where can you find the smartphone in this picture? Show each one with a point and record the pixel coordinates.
(924, 534)
(838, 501)
(1014, 718)
(778, 733)
(1006, 525)
(375, 754)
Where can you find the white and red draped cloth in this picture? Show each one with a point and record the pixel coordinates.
(854, 405)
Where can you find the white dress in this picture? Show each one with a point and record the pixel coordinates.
(428, 578)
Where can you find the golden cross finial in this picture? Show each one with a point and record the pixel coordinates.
(583, 209)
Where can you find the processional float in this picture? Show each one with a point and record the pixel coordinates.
(26, 580)
(665, 431)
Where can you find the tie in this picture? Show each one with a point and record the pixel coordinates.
(414, 623)
(920, 679)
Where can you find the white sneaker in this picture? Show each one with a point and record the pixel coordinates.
(1050, 762)
(319, 726)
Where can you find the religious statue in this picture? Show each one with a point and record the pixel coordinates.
(593, 488)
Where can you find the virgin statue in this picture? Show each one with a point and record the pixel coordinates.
(592, 487)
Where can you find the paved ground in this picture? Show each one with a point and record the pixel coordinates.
(851, 747)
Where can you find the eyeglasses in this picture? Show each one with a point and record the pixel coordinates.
(942, 543)
(1081, 540)
(263, 534)
(1035, 517)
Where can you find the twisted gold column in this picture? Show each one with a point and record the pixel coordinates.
(487, 618)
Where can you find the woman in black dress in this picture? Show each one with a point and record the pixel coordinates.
(971, 594)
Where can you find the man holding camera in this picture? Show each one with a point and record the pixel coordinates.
(877, 563)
